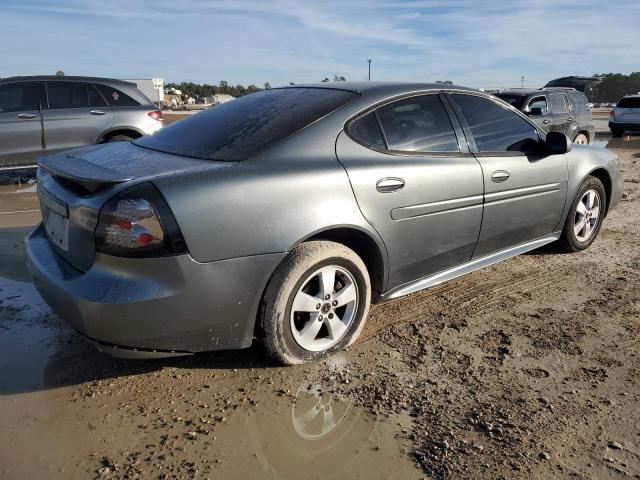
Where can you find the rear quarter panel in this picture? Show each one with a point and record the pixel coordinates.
(267, 204)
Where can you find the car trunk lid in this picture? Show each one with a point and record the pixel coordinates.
(74, 185)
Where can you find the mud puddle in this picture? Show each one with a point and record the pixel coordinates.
(70, 411)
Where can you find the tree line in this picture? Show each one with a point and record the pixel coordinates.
(613, 86)
(195, 90)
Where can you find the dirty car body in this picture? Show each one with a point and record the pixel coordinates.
(288, 166)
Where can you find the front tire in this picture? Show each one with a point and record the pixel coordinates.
(316, 303)
(581, 139)
(585, 216)
(120, 138)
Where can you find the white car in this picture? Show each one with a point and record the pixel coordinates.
(625, 115)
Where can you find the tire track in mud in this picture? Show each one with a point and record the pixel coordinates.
(465, 296)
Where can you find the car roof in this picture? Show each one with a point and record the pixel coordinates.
(63, 78)
(382, 88)
(525, 92)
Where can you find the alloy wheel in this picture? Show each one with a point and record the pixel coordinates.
(587, 215)
(324, 307)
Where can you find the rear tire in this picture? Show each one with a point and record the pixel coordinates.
(585, 216)
(315, 304)
(617, 132)
(120, 138)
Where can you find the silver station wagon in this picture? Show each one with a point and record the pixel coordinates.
(282, 215)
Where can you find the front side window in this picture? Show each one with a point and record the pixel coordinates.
(418, 124)
(495, 128)
(67, 95)
(538, 103)
(115, 97)
(367, 130)
(238, 130)
(22, 97)
(558, 103)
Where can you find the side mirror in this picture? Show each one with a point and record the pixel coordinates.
(557, 143)
(536, 112)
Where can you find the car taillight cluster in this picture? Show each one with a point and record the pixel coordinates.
(612, 113)
(137, 222)
(156, 115)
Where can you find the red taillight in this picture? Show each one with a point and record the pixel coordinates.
(612, 113)
(137, 222)
(156, 115)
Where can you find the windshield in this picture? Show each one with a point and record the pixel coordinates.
(629, 102)
(514, 100)
(242, 128)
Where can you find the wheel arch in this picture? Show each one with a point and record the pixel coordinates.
(602, 175)
(371, 250)
(129, 131)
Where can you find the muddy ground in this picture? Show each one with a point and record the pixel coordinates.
(527, 369)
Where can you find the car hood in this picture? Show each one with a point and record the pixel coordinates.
(97, 166)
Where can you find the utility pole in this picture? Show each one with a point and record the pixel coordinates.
(522, 81)
(369, 60)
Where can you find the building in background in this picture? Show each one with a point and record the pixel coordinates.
(151, 87)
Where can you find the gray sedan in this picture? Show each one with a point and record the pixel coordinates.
(282, 215)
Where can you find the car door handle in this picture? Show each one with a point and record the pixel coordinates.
(27, 115)
(570, 119)
(97, 112)
(546, 121)
(387, 185)
(500, 176)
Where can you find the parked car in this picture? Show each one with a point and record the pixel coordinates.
(555, 109)
(43, 115)
(283, 214)
(625, 115)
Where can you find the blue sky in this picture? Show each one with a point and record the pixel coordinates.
(489, 43)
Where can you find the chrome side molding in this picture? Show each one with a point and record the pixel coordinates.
(468, 267)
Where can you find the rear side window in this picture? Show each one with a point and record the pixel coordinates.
(67, 95)
(367, 130)
(418, 124)
(241, 129)
(22, 96)
(578, 103)
(115, 97)
(629, 102)
(558, 103)
(494, 127)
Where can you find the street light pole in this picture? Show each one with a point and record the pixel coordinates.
(522, 81)
(369, 60)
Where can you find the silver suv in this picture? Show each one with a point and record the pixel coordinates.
(625, 115)
(46, 114)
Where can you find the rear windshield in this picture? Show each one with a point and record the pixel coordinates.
(240, 129)
(514, 100)
(629, 102)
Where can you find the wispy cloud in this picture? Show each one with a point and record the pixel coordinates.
(488, 43)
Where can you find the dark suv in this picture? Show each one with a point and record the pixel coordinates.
(554, 110)
(46, 114)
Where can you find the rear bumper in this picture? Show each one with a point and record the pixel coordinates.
(154, 306)
(624, 126)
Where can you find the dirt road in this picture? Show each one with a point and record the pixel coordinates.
(528, 369)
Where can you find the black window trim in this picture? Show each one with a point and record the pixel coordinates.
(457, 129)
(467, 130)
